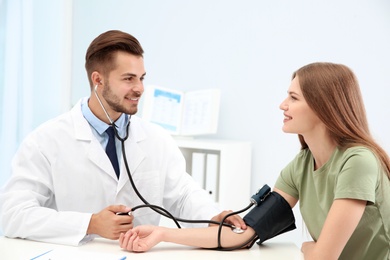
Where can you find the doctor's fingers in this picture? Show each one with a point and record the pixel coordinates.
(118, 208)
(123, 219)
(237, 221)
(122, 229)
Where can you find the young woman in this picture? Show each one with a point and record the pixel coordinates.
(341, 176)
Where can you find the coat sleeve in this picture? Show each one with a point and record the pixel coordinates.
(28, 207)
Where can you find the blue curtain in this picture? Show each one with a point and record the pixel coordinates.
(35, 69)
(16, 78)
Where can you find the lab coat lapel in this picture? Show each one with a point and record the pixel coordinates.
(134, 158)
(134, 154)
(98, 156)
(95, 151)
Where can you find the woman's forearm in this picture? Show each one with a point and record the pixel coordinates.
(206, 237)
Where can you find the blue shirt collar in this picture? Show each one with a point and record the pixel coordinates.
(100, 126)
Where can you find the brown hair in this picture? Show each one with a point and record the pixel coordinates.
(101, 52)
(333, 93)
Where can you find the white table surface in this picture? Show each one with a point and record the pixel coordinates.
(11, 249)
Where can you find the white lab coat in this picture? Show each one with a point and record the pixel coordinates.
(61, 175)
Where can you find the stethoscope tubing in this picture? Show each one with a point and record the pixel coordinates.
(156, 208)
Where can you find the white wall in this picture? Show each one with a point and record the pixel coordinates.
(248, 49)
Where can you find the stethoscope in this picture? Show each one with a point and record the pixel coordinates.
(255, 199)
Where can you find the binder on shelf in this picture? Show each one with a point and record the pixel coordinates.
(198, 168)
(212, 170)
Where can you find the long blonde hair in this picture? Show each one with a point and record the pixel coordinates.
(333, 93)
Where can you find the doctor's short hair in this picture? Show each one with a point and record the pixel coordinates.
(102, 51)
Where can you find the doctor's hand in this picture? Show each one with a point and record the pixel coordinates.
(109, 225)
(141, 238)
(235, 220)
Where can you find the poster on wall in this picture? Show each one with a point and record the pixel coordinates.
(182, 113)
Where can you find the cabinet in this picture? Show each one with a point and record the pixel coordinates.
(230, 164)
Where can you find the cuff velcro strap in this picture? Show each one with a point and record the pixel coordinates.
(272, 217)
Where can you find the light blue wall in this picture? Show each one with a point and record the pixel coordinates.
(249, 50)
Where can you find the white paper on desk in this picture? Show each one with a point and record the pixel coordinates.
(66, 254)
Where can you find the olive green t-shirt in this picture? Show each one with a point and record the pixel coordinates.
(355, 174)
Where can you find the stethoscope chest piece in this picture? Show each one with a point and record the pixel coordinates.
(238, 230)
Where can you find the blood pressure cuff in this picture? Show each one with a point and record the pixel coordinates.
(271, 217)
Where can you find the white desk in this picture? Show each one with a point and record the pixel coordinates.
(11, 249)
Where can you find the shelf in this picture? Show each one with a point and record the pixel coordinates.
(233, 171)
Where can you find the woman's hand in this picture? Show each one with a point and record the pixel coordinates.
(141, 238)
(307, 248)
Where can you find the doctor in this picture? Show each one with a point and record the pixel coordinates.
(64, 189)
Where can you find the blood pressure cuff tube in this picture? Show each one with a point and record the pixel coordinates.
(272, 217)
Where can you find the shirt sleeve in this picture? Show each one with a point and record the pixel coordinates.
(287, 180)
(358, 177)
